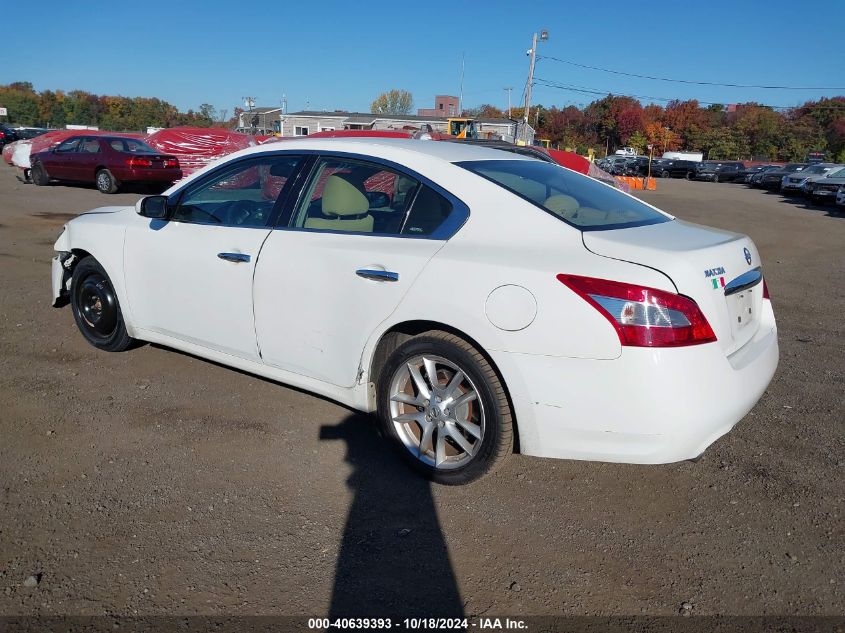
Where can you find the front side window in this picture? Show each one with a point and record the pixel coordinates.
(362, 197)
(241, 195)
(577, 200)
(69, 145)
(90, 146)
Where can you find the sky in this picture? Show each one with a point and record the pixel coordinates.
(332, 55)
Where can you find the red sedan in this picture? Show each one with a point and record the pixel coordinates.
(106, 161)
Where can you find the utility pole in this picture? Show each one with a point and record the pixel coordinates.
(508, 89)
(461, 97)
(532, 53)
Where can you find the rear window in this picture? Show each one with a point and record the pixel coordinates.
(577, 200)
(131, 145)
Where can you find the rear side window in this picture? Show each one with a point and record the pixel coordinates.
(428, 211)
(577, 200)
(356, 196)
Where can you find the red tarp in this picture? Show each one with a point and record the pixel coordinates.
(197, 147)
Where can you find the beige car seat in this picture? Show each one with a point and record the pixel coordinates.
(562, 205)
(346, 208)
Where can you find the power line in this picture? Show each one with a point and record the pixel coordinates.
(688, 81)
(582, 89)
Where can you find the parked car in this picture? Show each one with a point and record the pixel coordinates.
(825, 189)
(666, 168)
(7, 135)
(537, 272)
(794, 183)
(771, 180)
(627, 165)
(840, 197)
(719, 171)
(106, 161)
(745, 175)
(31, 132)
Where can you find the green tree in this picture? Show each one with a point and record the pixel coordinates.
(638, 141)
(394, 101)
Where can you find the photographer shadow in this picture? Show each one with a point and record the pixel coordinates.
(393, 559)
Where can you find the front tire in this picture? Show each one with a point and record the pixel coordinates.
(444, 409)
(96, 309)
(106, 183)
(39, 175)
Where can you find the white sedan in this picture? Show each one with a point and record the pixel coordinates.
(477, 300)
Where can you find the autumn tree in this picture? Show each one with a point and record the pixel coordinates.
(394, 101)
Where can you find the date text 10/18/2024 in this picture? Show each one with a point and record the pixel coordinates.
(430, 624)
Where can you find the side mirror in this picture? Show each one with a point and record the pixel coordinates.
(153, 207)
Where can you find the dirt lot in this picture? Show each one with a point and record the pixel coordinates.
(152, 482)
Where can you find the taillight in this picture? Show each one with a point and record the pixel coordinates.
(171, 162)
(765, 290)
(643, 316)
(136, 162)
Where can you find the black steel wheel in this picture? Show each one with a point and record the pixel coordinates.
(96, 309)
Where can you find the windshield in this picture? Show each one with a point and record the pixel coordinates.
(816, 169)
(577, 200)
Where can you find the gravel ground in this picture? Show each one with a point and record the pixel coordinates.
(153, 482)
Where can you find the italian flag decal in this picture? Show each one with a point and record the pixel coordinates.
(716, 282)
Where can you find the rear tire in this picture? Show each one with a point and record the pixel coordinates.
(39, 175)
(664, 174)
(105, 182)
(448, 444)
(96, 309)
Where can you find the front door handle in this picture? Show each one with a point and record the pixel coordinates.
(234, 257)
(377, 275)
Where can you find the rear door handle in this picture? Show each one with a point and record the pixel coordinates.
(234, 257)
(377, 275)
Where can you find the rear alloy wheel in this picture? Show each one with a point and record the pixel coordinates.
(444, 408)
(106, 183)
(39, 175)
(96, 309)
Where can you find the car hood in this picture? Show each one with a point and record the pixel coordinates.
(700, 261)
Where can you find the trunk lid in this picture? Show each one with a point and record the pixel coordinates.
(701, 262)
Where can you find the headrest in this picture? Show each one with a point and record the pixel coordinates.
(342, 198)
(561, 204)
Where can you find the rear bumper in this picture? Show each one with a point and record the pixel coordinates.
(147, 175)
(645, 407)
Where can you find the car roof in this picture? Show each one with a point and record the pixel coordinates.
(449, 152)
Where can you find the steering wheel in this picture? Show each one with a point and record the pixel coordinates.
(245, 212)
